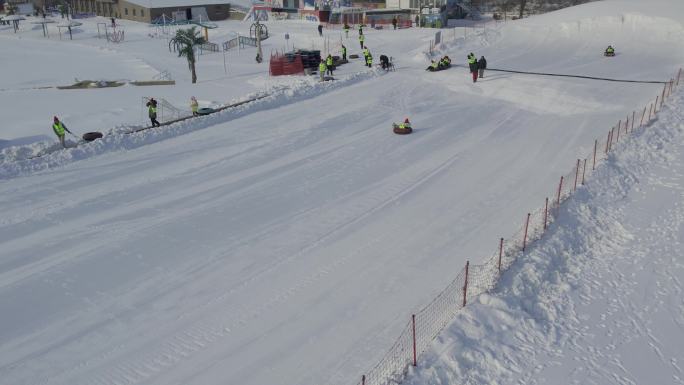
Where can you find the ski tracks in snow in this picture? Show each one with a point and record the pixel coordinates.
(147, 361)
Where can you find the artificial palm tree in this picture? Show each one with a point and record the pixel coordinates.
(185, 42)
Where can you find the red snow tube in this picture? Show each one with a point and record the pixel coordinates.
(402, 130)
(90, 136)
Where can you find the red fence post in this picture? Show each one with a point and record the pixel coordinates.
(584, 170)
(415, 357)
(527, 223)
(641, 124)
(546, 212)
(500, 253)
(576, 175)
(610, 139)
(560, 186)
(593, 166)
(465, 285)
(649, 113)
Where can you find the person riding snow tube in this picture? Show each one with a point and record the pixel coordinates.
(402, 128)
(610, 51)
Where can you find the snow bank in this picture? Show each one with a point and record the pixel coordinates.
(23, 160)
(598, 300)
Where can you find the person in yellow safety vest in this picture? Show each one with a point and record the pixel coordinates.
(405, 125)
(194, 106)
(472, 64)
(152, 112)
(366, 52)
(610, 51)
(369, 60)
(329, 64)
(346, 30)
(321, 69)
(59, 128)
(361, 39)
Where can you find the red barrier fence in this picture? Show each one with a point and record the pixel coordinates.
(285, 64)
(473, 280)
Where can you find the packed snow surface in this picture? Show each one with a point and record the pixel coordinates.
(288, 240)
(599, 299)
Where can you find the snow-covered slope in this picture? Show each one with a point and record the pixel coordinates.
(599, 299)
(286, 241)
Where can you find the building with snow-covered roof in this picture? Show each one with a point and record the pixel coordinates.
(148, 10)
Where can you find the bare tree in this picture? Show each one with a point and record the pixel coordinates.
(522, 8)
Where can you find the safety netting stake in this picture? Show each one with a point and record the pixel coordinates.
(527, 223)
(415, 355)
(500, 253)
(546, 212)
(465, 285)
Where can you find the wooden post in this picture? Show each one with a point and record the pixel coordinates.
(608, 140)
(662, 98)
(617, 139)
(655, 106)
(415, 356)
(593, 166)
(527, 223)
(649, 113)
(584, 170)
(643, 114)
(679, 73)
(465, 285)
(560, 186)
(500, 253)
(633, 116)
(363, 380)
(576, 175)
(546, 212)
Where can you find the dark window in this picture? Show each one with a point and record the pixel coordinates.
(125, 11)
(133, 11)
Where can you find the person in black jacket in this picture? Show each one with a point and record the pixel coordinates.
(320, 29)
(384, 62)
(481, 66)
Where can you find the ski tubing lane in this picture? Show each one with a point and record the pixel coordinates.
(40, 155)
(192, 116)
